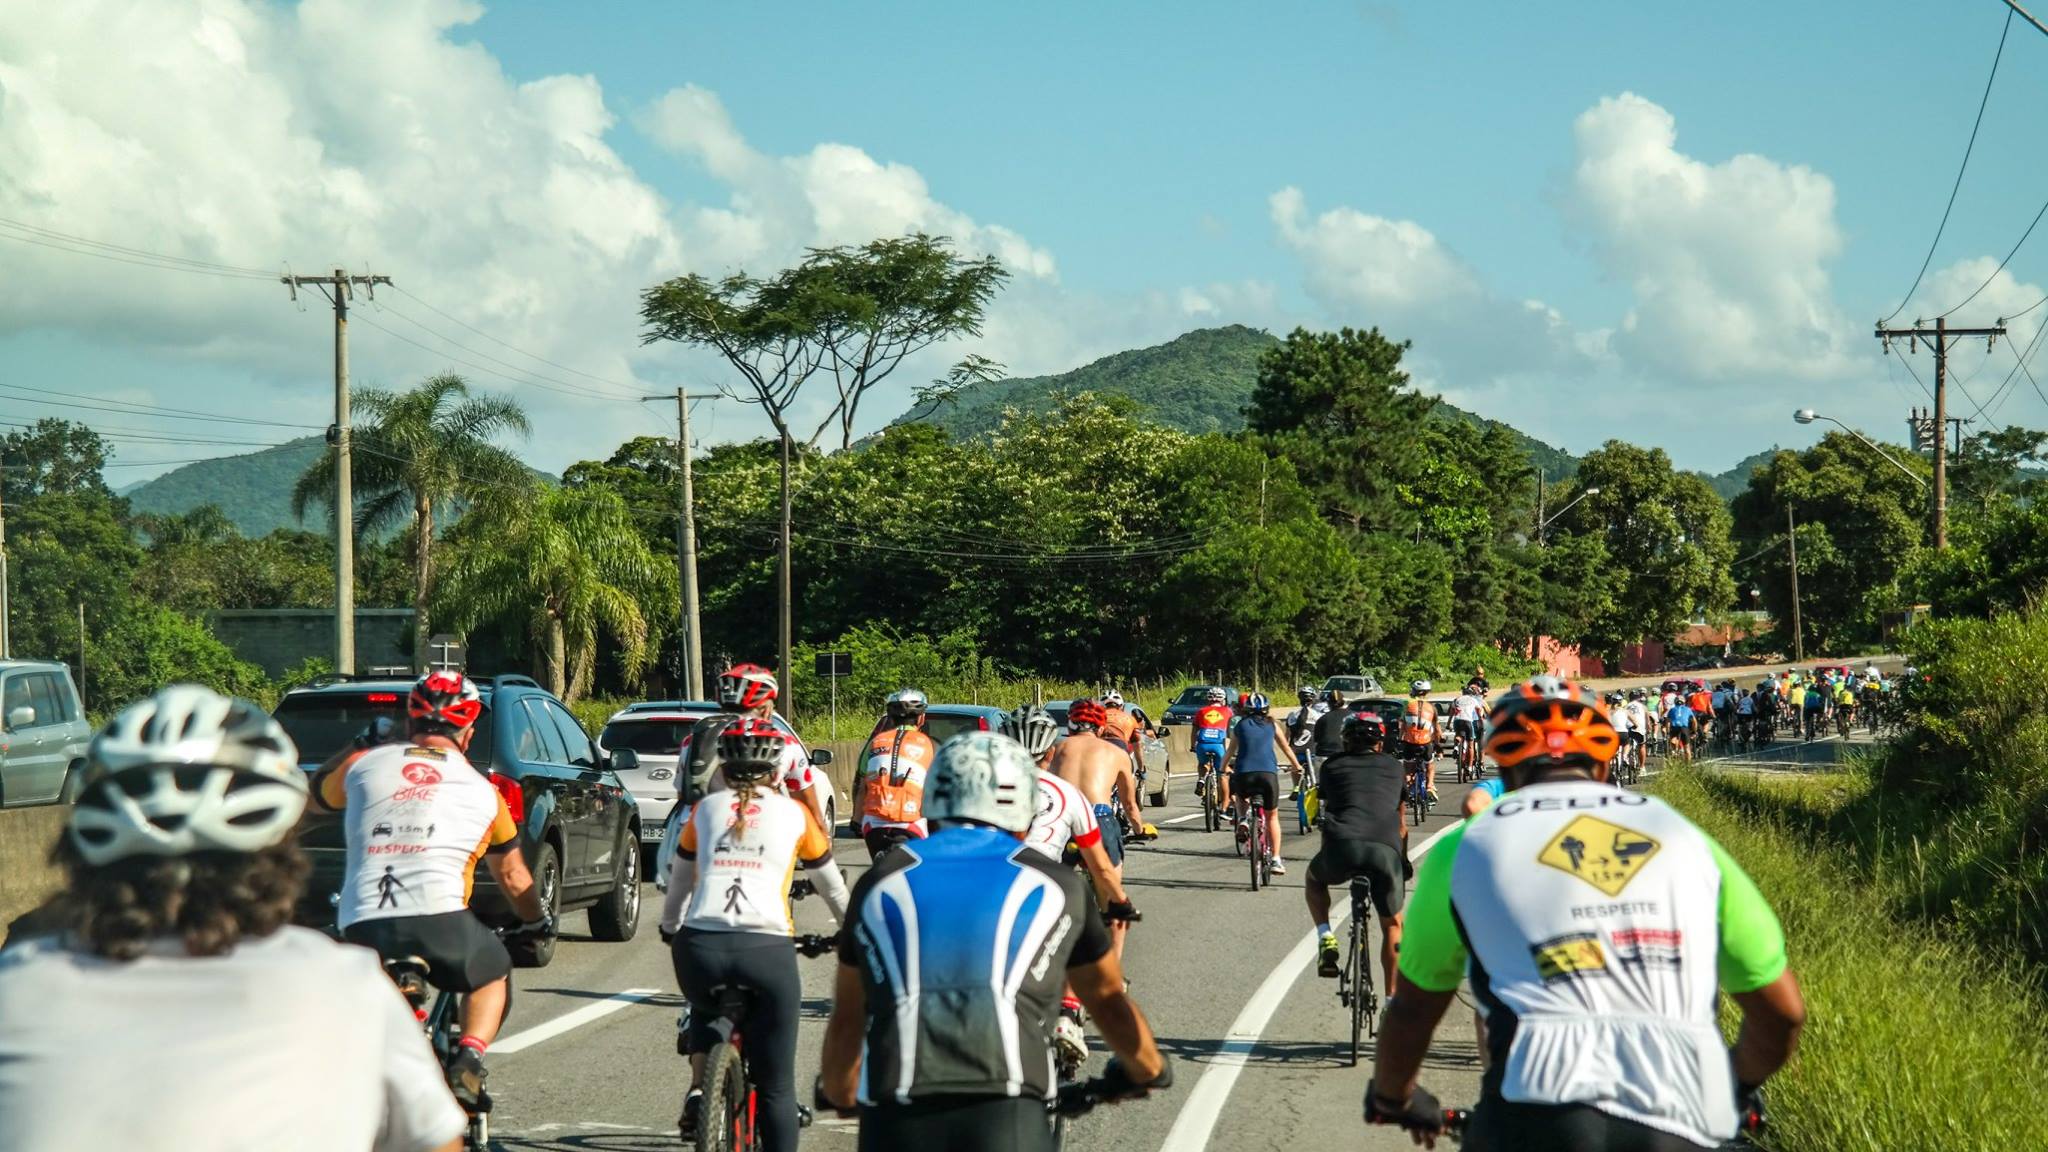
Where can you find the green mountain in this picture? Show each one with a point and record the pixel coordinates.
(1731, 483)
(1199, 382)
(254, 490)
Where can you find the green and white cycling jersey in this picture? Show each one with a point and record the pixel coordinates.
(1597, 925)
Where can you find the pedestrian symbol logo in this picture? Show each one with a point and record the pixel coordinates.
(388, 888)
(1605, 855)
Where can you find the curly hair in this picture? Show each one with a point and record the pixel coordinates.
(210, 900)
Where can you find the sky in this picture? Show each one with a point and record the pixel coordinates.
(1671, 224)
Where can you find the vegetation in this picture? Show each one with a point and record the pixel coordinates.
(1879, 987)
(252, 490)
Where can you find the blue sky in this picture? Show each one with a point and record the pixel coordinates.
(1666, 223)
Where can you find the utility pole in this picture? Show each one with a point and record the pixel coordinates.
(1792, 542)
(686, 548)
(81, 653)
(1938, 340)
(6, 639)
(338, 288)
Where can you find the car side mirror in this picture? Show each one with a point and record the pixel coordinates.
(21, 716)
(820, 757)
(624, 760)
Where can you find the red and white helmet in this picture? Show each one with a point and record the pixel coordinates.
(746, 686)
(444, 699)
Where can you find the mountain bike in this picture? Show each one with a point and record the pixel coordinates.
(1355, 989)
(1255, 844)
(1416, 793)
(727, 1120)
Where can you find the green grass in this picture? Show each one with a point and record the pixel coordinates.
(1916, 1038)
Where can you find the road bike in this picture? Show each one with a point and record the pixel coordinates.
(1205, 787)
(1253, 841)
(1355, 988)
(1845, 719)
(729, 1115)
(1416, 792)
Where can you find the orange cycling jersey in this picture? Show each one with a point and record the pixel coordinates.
(893, 789)
(1118, 726)
(1419, 724)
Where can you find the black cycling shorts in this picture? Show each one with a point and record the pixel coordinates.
(1466, 729)
(988, 1123)
(762, 966)
(1264, 786)
(1368, 862)
(461, 954)
(1499, 1125)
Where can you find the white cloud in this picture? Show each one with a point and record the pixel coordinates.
(832, 194)
(1369, 270)
(1727, 262)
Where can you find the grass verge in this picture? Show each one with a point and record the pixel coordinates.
(1915, 1038)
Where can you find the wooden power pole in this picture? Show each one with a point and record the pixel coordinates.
(1938, 340)
(686, 547)
(338, 288)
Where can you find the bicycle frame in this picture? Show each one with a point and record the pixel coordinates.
(441, 1018)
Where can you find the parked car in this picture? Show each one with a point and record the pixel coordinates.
(579, 826)
(43, 756)
(1191, 698)
(654, 730)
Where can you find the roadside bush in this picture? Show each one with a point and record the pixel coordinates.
(146, 648)
(1448, 665)
(1915, 1037)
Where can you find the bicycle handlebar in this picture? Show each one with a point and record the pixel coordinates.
(812, 944)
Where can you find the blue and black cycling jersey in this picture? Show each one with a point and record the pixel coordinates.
(1255, 750)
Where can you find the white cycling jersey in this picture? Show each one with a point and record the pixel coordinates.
(1468, 707)
(1621, 720)
(743, 875)
(1638, 717)
(1063, 815)
(417, 820)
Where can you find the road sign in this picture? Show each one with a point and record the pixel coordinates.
(445, 651)
(835, 664)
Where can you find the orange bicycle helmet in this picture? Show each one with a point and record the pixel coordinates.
(1549, 721)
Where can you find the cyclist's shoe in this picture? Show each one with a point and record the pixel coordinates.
(1244, 832)
(466, 1079)
(1069, 1038)
(804, 1116)
(693, 1108)
(1326, 957)
(1279, 866)
(1432, 795)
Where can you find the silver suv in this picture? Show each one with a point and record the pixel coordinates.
(43, 754)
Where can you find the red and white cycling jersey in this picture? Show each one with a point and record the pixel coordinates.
(1063, 815)
(743, 874)
(417, 821)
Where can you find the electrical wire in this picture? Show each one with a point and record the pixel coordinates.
(1964, 167)
(541, 381)
(80, 246)
(580, 394)
(508, 345)
(2002, 263)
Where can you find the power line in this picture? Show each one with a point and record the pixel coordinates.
(578, 393)
(512, 347)
(540, 380)
(142, 258)
(2002, 263)
(136, 409)
(1964, 167)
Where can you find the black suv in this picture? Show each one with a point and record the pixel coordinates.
(579, 827)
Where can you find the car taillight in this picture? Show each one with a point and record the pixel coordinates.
(981, 722)
(515, 796)
(383, 697)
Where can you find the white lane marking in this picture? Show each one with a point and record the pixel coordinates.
(1197, 1120)
(570, 1021)
(1183, 819)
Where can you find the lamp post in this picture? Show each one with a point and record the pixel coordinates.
(1808, 416)
(1547, 521)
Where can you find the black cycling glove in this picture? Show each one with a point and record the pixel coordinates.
(1118, 1085)
(1121, 910)
(1422, 1114)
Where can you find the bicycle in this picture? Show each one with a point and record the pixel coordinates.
(729, 1112)
(1205, 787)
(1301, 791)
(1416, 793)
(439, 1012)
(1255, 844)
(1355, 989)
(1457, 1120)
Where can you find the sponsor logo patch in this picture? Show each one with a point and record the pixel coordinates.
(421, 773)
(1605, 855)
(1648, 947)
(1570, 956)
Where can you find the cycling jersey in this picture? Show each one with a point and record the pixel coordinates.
(1418, 723)
(1638, 716)
(172, 1051)
(963, 963)
(892, 786)
(1118, 726)
(1619, 717)
(417, 820)
(1063, 816)
(1360, 798)
(1746, 706)
(1255, 751)
(743, 875)
(1329, 737)
(1212, 724)
(1301, 725)
(1468, 708)
(795, 776)
(1597, 925)
(1680, 718)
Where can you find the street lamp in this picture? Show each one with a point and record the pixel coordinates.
(1593, 491)
(1808, 416)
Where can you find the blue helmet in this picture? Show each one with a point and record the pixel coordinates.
(1258, 705)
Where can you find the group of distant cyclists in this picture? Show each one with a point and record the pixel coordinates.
(1592, 923)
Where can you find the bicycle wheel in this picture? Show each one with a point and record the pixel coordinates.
(1359, 974)
(723, 1124)
(1257, 843)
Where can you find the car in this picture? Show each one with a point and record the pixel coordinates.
(1191, 698)
(579, 827)
(42, 758)
(1352, 686)
(942, 722)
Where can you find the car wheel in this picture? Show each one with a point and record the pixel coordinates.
(536, 951)
(72, 779)
(617, 916)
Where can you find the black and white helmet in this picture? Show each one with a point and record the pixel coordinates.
(1419, 687)
(1112, 699)
(905, 706)
(1033, 727)
(187, 770)
(984, 778)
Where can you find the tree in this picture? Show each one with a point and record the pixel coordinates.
(53, 457)
(418, 452)
(1666, 537)
(567, 564)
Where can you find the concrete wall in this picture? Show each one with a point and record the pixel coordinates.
(26, 878)
(280, 639)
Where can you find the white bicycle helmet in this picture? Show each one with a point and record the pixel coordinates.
(986, 778)
(1418, 687)
(1112, 699)
(187, 770)
(1033, 727)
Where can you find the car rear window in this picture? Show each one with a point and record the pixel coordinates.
(648, 737)
(323, 723)
(943, 726)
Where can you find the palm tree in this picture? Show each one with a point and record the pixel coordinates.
(418, 452)
(571, 564)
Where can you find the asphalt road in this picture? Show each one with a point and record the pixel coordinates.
(588, 1061)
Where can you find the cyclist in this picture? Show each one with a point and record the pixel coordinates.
(732, 871)
(1468, 714)
(1871, 694)
(1679, 721)
(1845, 706)
(1301, 724)
(1329, 727)
(1256, 748)
(1478, 680)
(1595, 926)
(1120, 726)
(1638, 726)
(891, 786)
(973, 1068)
(1064, 823)
(749, 691)
(1365, 841)
(1101, 772)
(1209, 736)
(1815, 702)
(1419, 735)
(180, 877)
(417, 818)
(1621, 729)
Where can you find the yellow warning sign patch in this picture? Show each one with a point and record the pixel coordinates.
(1605, 855)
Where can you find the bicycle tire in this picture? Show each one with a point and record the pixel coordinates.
(1256, 842)
(477, 1136)
(1357, 974)
(722, 1123)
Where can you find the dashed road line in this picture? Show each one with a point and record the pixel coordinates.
(570, 1021)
